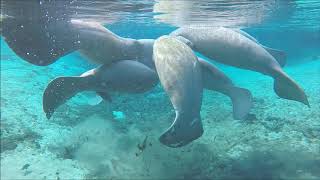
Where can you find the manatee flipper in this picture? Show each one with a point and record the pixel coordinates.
(182, 132)
(216, 80)
(60, 90)
(38, 32)
(287, 88)
(241, 102)
(105, 96)
(180, 75)
(279, 55)
(33, 44)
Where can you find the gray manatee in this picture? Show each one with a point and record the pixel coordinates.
(180, 75)
(233, 48)
(124, 76)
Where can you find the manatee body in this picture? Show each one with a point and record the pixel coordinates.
(233, 48)
(123, 76)
(180, 75)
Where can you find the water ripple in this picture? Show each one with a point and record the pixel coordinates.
(232, 13)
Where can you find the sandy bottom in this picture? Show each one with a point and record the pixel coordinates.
(280, 139)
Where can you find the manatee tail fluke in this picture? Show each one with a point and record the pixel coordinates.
(180, 133)
(241, 101)
(39, 45)
(39, 33)
(279, 55)
(59, 91)
(287, 88)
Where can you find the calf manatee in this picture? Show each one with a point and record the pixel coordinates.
(180, 75)
(233, 48)
(124, 76)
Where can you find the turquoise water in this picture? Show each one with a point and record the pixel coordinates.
(89, 139)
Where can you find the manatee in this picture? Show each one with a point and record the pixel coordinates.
(124, 76)
(180, 75)
(233, 48)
